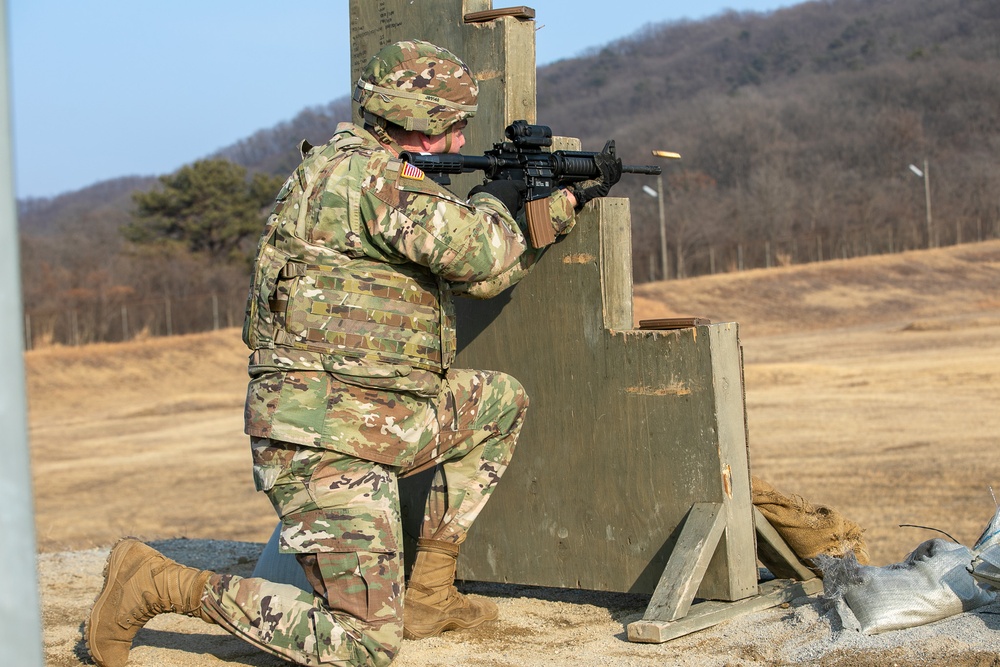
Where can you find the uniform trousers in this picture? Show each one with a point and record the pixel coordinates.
(341, 517)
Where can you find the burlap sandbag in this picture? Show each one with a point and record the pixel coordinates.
(810, 530)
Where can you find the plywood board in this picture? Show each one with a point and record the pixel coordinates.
(626, 431)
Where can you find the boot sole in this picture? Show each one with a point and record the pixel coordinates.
(101, 599)
(451, 624)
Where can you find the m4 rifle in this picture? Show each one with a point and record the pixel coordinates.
(524, 156)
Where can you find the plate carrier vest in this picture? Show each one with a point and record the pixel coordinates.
(336, 311)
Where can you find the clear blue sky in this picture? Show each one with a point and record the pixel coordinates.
(115, 88)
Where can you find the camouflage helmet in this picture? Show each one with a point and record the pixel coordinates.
(417, 86)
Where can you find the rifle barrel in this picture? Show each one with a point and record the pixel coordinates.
(649, 170)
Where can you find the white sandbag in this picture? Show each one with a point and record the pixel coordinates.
(278, 567)
(932, 583)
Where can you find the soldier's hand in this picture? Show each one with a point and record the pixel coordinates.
(510, 193)
(610, 167)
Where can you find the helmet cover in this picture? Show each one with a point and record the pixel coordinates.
(418, 86)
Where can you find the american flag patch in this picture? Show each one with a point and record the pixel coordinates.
(409, 171)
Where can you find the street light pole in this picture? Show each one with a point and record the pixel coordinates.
(664, 257)
(927, 198)
(926, 175)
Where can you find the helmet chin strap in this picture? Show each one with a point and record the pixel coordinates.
(376, 126)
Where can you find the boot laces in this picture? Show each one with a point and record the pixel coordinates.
(152, 606)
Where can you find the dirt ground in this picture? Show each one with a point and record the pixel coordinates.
(871, 386)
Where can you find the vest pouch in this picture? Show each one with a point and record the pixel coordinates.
(449, 334)
(374, 314)
(259, 324)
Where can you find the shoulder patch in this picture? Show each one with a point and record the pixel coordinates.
(409, 171)
(411, 179)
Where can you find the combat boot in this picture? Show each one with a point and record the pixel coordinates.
(432, 604)
(139, 583)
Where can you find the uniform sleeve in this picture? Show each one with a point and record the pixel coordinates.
(563, 220)
(465, 242)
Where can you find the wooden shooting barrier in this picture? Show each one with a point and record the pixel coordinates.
(632, 471)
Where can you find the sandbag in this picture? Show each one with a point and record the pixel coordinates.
(933, 582)
(810, 530)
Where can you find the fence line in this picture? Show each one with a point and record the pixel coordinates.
(98, 321)
(711, 257)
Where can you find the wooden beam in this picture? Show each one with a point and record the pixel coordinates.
(668, 323)
(688, 562)
(706, 614)
(775, 553)
(521, 12)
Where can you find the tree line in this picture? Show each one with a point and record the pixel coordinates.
(177, 261)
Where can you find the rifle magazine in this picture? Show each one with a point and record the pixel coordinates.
(540, 231)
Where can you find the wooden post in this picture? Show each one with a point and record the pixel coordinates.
(500, 53)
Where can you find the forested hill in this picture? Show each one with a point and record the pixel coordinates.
(655, 73)
(796, 129)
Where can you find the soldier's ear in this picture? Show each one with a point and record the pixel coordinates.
(426, 142)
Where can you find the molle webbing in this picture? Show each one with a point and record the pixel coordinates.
(368, 310)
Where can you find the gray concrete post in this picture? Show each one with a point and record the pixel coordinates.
(20, 617)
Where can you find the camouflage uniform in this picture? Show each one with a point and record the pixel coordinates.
(352, 336)
(351, 327)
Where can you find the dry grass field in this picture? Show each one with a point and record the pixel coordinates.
(872, 386)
